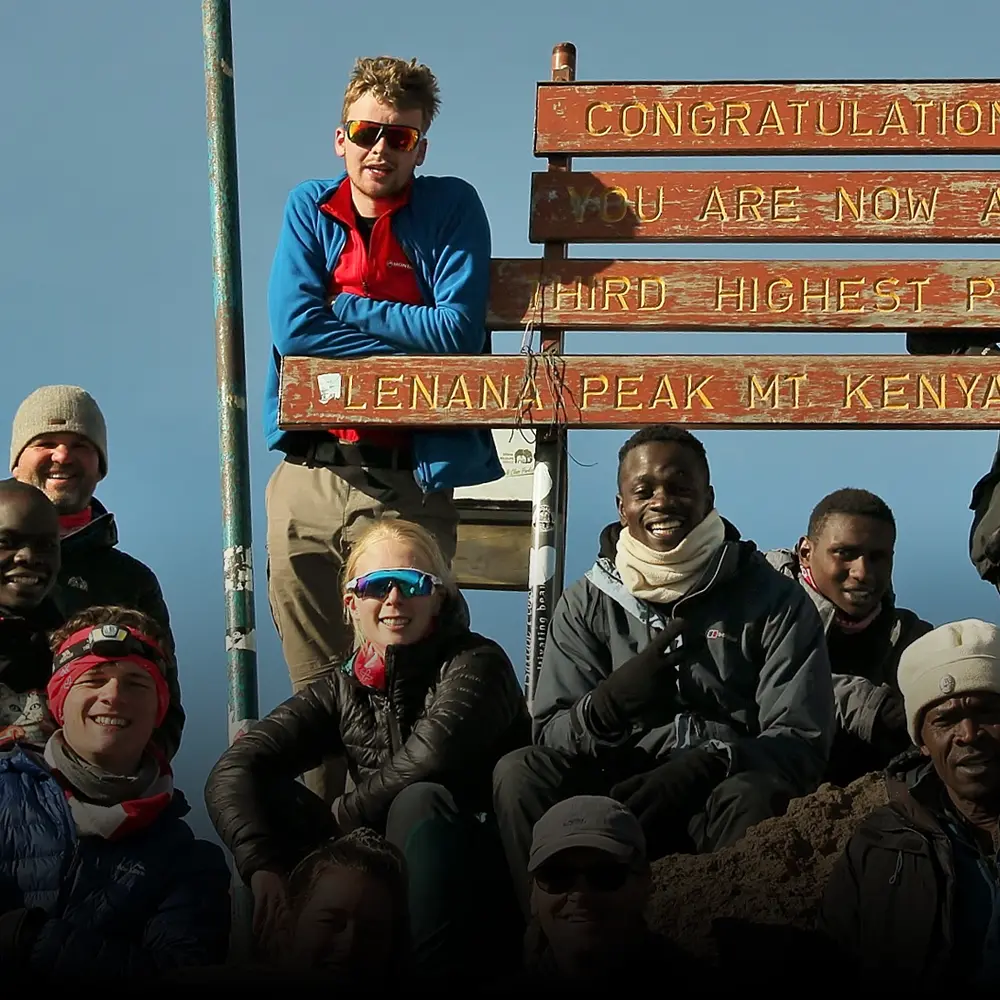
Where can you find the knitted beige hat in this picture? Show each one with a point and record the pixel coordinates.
(950, 660)
(59, 409)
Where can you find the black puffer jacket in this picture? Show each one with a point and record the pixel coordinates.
(452, 707)
(96, 572)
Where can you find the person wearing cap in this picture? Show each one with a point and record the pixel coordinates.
(100, 875)
(915, 896)
(29, 566)
(59, 444)
(590, 883)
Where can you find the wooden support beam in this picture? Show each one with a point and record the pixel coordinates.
(796, 391)
(819, 206)
(689, 295)
(621, 119)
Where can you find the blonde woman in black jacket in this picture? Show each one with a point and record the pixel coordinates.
(422, 711)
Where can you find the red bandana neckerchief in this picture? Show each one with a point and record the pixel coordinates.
(369, 667)
(68, 523)
(842, 621)
(112, 822)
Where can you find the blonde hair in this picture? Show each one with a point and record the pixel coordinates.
(403, 85)
(416, 537)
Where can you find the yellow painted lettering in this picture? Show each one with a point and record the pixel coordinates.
(857, 391)
(696, 390)
(664, 394)
(892, 391)
(383, 392)
(621, 392)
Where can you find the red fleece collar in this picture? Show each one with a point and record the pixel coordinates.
(842, 621)
(73, 522)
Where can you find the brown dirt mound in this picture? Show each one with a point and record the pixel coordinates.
(775, 875)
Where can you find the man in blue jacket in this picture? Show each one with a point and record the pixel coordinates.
(374, 262)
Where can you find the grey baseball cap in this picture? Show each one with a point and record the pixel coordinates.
(587, 821)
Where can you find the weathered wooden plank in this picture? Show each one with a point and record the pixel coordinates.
(821, 206)
(581, 294)
(755, 117)
(579, 391)
(492, 556)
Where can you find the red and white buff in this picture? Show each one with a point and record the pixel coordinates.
(116, 820)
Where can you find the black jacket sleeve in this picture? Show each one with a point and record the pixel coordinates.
(477, 700)
(261, 813)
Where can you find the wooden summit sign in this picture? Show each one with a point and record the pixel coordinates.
(580, 294)
(713, 118)
(577, 391)
(823, 206)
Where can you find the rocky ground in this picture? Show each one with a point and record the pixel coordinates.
(774, 876)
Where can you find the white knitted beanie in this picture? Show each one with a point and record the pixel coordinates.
(952, 659)
(59, 409)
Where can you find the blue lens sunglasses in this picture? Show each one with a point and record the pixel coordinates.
(410, 582)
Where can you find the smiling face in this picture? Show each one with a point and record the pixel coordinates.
(663, 493)
(961, 735)
(347, 925)
(380, 172)
(109, 715)
(588, 920)
(65, 467)
(851, 561)
(29, 547)
(394, 619)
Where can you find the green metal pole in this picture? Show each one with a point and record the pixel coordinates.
(241, 646)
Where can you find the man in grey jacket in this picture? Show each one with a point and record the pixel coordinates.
(844, 563)
(682, 674)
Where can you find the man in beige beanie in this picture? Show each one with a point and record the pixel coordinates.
(915, 898)
(59, 444)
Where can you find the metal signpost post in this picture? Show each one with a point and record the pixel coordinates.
(241, 649)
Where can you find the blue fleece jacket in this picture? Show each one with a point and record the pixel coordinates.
(444, 231)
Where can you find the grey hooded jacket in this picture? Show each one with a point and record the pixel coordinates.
(859, 692)
(760, 689)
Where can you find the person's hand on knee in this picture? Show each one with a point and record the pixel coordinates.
(668, 795)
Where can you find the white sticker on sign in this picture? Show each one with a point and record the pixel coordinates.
(330, 386)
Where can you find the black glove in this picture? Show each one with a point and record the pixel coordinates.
(669, 795)
(892, 714)
(643, 689)
(19, 929)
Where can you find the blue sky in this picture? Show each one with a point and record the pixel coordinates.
(105, 261)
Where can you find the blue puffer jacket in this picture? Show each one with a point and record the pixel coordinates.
(444, 231)
(154, 901)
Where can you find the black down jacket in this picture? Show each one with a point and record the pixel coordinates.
(451, 709)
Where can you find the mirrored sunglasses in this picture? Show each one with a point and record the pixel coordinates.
(410, 583)
(558, 879)
(403, 138)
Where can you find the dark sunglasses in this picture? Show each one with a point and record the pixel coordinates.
(559, 879)
(403, 138)
(410, 583)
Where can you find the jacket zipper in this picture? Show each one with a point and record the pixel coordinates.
(704, 590)
(69, 881)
